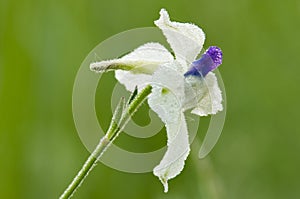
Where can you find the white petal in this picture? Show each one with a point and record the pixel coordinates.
(131, 80)
(166, 100)
(203, 95)
(178, 150)
(185, 39)
(145, 59)
(167, 93)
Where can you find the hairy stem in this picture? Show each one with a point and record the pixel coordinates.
(121, 117)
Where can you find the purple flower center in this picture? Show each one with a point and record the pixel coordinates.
(209, 61)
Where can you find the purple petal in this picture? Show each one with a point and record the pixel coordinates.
(209, 61)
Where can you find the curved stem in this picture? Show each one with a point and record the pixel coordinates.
(116, 126)
(86, 168)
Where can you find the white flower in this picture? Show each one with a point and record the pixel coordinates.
(179, 83)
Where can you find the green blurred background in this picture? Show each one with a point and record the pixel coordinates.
(42, 44)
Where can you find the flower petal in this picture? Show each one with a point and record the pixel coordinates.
(178, 150)
(131, 80)
(185, 39)
(203, 95)
(166, 100)
(144, 59)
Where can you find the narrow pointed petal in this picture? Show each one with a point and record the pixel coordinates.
(177, 152)
(145, 59)
(185, 39)
(165, 100)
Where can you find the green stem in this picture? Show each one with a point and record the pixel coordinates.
(113, 131)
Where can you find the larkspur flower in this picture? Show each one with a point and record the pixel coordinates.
(179, 83)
